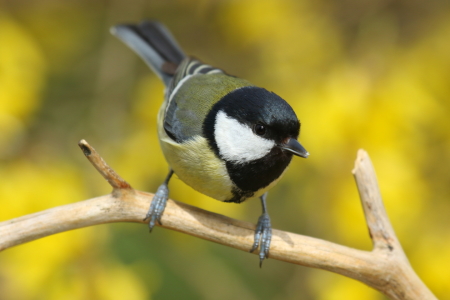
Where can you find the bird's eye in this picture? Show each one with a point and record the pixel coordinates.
(259, 129)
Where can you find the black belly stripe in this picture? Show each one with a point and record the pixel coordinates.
(239, 196)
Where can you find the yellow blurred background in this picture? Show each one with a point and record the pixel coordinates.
(360, 74)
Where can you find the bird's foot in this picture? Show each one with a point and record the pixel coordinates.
(158, 205)
(263, 236)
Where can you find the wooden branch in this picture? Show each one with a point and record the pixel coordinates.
(396, 278)
(386, 268)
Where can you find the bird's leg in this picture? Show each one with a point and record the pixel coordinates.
(263, 233)
(158, 203)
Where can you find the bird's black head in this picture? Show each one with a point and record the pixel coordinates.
(255, 132)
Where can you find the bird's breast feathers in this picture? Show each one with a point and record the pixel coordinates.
(197, 166)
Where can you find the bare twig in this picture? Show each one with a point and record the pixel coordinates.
(380, 229)
(386, 268)
(102, 167)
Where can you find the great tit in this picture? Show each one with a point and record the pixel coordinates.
(220, 134)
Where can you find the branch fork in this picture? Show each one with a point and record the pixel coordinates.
(385, 268)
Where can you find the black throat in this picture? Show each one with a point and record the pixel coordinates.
(252, 176)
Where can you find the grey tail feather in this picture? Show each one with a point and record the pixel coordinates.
(154, 44)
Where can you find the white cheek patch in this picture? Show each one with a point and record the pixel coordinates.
(237, 142)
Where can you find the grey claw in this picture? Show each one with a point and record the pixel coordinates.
(157, 207)
(263, 237)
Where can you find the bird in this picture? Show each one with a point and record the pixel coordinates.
(221, 135)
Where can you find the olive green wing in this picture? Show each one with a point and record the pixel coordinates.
(196, 87)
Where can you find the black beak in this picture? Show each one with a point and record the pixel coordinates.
(295, 148)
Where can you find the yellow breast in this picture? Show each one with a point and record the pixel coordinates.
(195, 164)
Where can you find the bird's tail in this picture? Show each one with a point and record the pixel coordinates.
(154, 44)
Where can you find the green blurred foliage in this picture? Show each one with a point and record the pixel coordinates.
(360, 74)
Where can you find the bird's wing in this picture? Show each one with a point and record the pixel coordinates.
(187, 68)
(195, 88)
